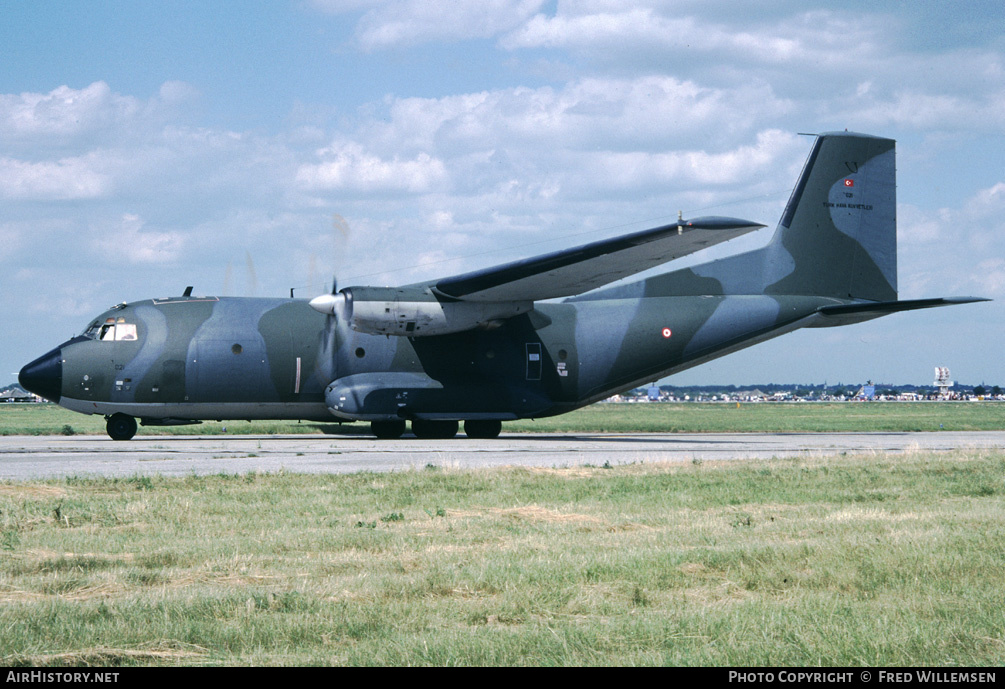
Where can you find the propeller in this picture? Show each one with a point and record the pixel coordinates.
(333, 306)
(335, 303)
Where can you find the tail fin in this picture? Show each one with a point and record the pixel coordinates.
(838, 234)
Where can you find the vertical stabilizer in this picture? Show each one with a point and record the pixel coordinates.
(837, 237)
(838, 234)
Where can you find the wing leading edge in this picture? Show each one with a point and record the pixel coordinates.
(484, 298)
(583, 268)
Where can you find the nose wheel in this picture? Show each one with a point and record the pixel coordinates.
(120, 426)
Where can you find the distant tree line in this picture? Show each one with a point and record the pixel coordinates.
(809, 390)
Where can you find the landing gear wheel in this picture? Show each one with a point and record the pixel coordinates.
(120, 426)
(477, 428)
(434, 430)
(387, 430)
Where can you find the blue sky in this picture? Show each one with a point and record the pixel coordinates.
(246, 148)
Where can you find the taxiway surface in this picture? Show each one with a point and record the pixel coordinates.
(34, 457)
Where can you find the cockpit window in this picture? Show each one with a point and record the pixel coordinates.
(125, 331)
(92, 331)
(111, 331)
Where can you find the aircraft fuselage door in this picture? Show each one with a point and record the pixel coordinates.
(534, 361)
(230, 370)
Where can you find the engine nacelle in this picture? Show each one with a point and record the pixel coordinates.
(413, 312)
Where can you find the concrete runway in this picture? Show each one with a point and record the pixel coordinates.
(25, 458)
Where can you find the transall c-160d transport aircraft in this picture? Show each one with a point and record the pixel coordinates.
(481, 347)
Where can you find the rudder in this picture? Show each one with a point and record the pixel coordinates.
(838, 234)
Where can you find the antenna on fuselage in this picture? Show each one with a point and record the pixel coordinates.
(188, 291)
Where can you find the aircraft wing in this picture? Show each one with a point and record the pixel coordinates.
(580, 269)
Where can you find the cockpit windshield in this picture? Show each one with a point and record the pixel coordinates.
(111, 330)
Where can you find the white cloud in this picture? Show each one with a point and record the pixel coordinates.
(643, 113)
(577, 30)
(349, 167)
(11, 239)
(173, 92)
(915, 226)
(913, 109)
(990, 276)
(129, 241)
(616, 34)
(393, 23)
(63, 112)
(64, 179)
(853, 69)
(970, 243)
(988, 203)
(744, 164)
(66, 115)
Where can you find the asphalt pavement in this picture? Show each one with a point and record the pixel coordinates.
(25, 458)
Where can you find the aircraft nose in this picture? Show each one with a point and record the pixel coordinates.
(44, 376)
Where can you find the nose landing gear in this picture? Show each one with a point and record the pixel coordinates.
(120, 426)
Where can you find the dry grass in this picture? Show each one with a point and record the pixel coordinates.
(19, 491)
(173, 653)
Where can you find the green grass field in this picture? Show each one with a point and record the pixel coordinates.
(49, 419)
(878, 560)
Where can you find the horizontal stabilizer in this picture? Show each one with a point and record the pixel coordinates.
(882, 308)
(863, 311)
(574, 271)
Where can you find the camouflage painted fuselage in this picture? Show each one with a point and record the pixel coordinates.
(241, 358)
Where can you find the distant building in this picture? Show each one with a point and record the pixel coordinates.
(943, 381)
(18, 395)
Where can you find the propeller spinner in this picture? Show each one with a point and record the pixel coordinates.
(332, 304)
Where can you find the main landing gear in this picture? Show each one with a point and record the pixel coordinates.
(475, 428)
(387, 430)
(434, 430)
(120, 426)
(431, 430)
